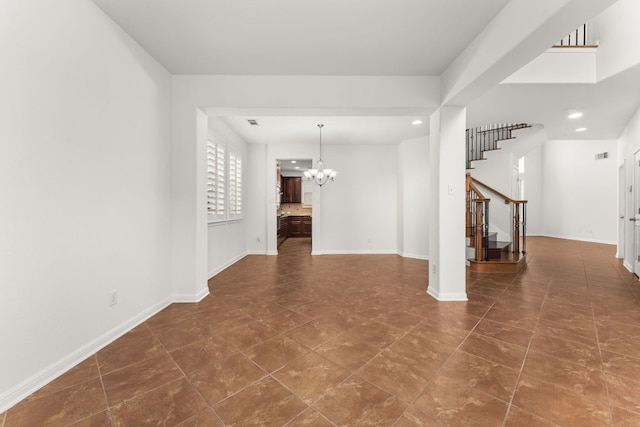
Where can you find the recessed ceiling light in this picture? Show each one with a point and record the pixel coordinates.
(416, 122)
(574, 114)
(581, 129)
(293, 161)
(297, 167)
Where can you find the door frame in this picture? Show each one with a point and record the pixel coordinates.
(622, 201)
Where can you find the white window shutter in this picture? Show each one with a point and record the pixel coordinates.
(216, 162)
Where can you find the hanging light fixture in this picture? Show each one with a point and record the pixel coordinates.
(320, 175)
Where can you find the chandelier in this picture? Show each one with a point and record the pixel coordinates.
(320, 175)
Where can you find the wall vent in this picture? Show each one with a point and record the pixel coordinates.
(253, 122)
(601, 156)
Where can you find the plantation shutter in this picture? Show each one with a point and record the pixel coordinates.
(235, 186)
(216, 181)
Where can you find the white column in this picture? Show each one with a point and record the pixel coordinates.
(447, 212)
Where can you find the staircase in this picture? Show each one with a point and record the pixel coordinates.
(498, 249)
(489, 254)
(487, 138)
(486, 252)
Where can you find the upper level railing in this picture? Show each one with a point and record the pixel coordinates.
(486, 138)
(477, 219)
(577, 38)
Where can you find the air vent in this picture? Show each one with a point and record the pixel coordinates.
(601, 156)
(253, 122)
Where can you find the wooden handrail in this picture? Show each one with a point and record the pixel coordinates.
(478, 193)
(477, 219)
(506, 198)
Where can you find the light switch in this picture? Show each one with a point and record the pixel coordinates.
(450, 190)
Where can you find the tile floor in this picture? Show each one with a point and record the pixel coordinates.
(354, 340)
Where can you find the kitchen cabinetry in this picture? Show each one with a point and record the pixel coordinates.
(294, 226)
(283, 230)
(306, 226)
(291, 189)
(300, 226)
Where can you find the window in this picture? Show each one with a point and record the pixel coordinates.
(216, 162)
(235, 186)
(224, 182)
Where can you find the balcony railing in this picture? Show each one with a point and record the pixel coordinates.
(577, 38)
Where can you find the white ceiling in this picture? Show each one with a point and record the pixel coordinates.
(303, 37)
(294, 167)
(357, 37)
(337, 130)
(607, 106)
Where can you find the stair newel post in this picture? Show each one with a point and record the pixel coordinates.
(485, 232)
(479, 232)
(512, 215)
(516, 229)
(524, 228)
(468, 217)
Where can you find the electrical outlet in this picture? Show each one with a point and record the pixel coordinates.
(113, 297)
(369, 240)
(435, 270)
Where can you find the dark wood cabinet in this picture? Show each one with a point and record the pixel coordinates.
(291, 189)
(306, 226)
(294, 226)
(283, 231)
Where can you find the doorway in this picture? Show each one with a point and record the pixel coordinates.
(294, 205)
(635, 214)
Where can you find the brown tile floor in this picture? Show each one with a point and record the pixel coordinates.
(354, 340)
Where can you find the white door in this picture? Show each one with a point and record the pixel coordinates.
(635, 218)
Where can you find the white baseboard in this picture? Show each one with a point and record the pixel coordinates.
(227, 264)
(628, 266)
(414, 256)
(357, 252)
(191, 298)
(460, 297)
(258, 252)
(53, 371)
(581, 239)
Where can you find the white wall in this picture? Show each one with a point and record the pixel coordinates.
(580, 193)
(558, 65)
(628, 144)
(533, 191)
(359, 210)
(618, 32)
(413, 198)
(84, 174)
(496, 172)
(226, 242)
(256, 198)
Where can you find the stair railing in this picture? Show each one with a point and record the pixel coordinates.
(477, 220)
(577, 38)
(486, 138)
(518, 215)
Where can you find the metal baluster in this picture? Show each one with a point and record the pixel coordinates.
(524, 228)
(486, 231)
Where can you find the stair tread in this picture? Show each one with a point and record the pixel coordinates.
(496, 244)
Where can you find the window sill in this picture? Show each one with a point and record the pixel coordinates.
(225, 222)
